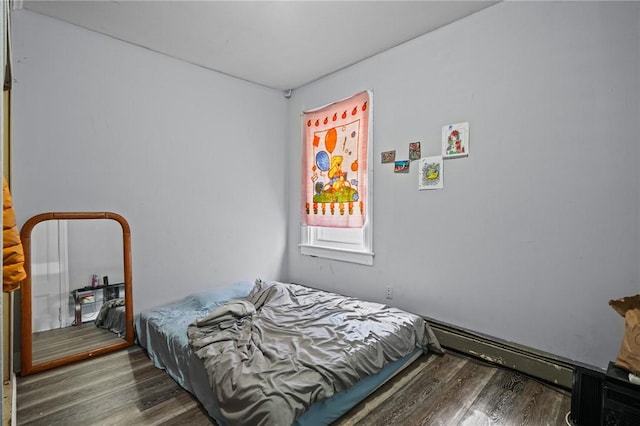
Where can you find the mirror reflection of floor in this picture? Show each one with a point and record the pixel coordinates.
(57, 343)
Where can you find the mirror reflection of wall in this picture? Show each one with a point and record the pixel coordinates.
(95, 249)
(49, 275)
(66, 255)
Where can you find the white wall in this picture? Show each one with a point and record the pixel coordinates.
(538, 228)
(94, 247)
(191, 158)
(530, 238)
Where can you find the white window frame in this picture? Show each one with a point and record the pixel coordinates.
(354, 245)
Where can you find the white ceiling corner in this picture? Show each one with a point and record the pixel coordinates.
(278, 44)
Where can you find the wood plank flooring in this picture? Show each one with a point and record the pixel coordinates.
(60, 342)
(124, 388)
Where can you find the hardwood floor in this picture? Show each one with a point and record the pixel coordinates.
(124, 388)
(456, 390)
(60, 342)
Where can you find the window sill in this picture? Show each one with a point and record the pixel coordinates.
(343, 255)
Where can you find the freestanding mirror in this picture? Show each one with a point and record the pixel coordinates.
(77, 301)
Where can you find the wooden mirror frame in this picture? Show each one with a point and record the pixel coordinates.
(26, 327)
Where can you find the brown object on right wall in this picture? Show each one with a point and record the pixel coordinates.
(13, 272)
(629, 354)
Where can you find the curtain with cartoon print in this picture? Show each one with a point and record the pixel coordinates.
(334, 165)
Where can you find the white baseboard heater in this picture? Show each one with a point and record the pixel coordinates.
(538, 364)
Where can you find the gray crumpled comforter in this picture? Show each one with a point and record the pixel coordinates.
(286, 346)
(112, 316)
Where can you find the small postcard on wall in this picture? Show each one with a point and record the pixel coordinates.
(389, 156)
(414, 151)
(455, 140)
(430, 173)
(401, 166)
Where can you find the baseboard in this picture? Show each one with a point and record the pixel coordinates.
(538, 364)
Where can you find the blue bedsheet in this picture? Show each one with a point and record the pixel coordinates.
(162, 331)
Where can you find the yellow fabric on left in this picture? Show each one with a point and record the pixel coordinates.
(12, 253)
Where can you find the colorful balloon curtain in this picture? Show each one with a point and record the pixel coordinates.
(334, 170)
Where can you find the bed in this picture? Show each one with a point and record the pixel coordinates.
(111, 316)
(278, 353)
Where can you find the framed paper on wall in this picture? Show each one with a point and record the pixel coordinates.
(430, 173)
(455, 140)
(389, 156)
(401, 166)
(414, 151)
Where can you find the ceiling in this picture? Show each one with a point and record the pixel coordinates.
(278, 44)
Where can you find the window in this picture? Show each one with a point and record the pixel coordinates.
(336, 181)
(345, 244)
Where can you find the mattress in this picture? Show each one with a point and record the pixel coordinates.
(162, 331)
(112, 316)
